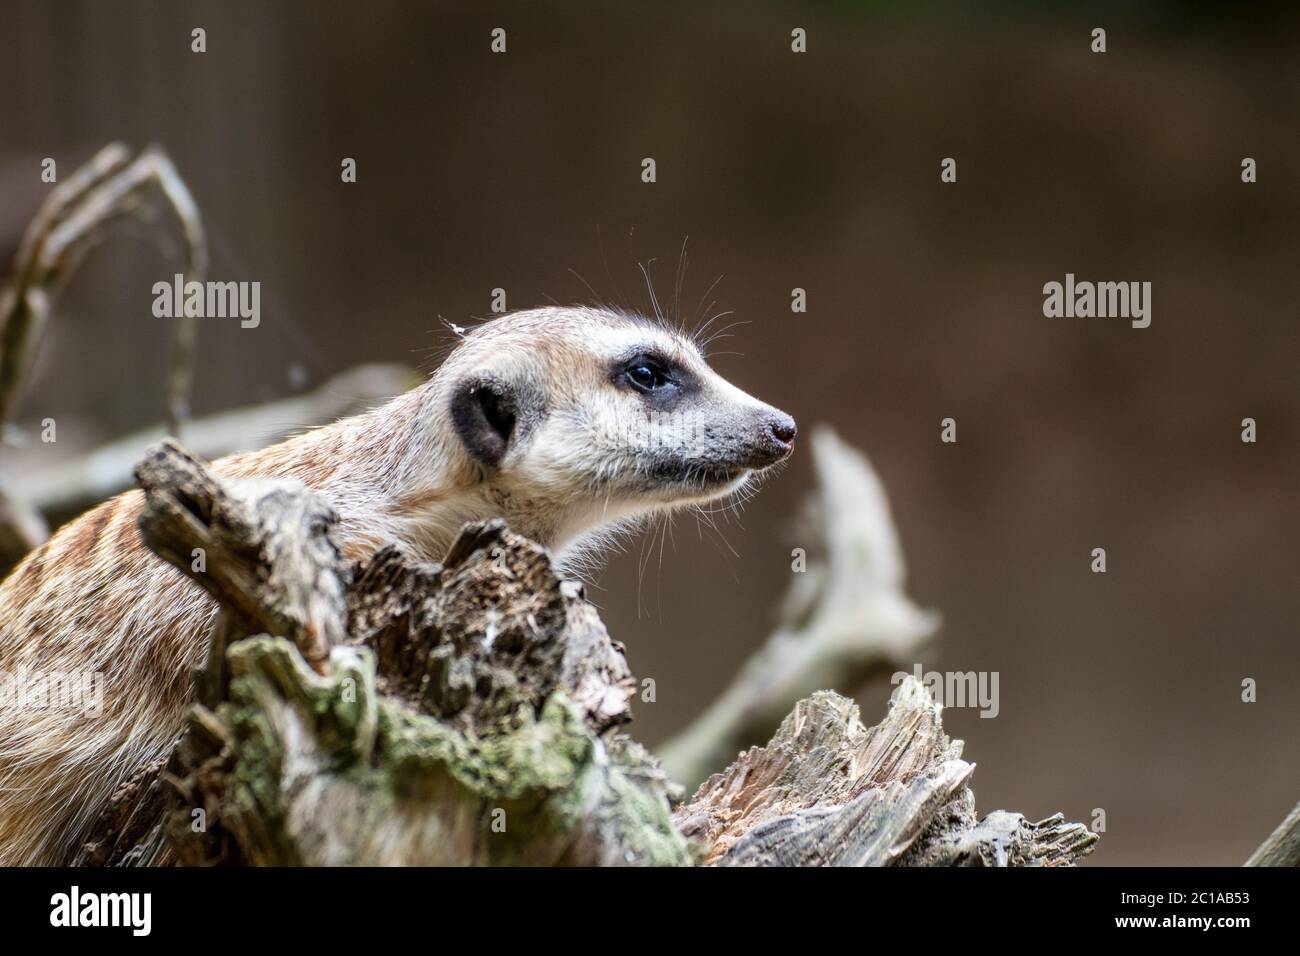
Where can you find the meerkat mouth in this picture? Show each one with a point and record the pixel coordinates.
(697, 477)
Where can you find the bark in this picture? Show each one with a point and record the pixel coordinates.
(1282, 847)
(475, 712)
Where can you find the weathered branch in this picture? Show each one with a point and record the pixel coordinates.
(67, 488)
(21, 530)
(260, 547)
(24, 299)
(1282, 847)
(844, 619)
(828, 792)
(69, 223)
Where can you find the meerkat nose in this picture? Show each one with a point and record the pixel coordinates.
(782, 429)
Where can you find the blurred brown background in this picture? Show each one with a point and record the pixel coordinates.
(1119, 691)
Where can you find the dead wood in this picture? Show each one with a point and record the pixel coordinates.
(70, 223)
(21, 530)
(1282, 846)
(827, 791)
(67, 488)
(261, 548)
(474, 712)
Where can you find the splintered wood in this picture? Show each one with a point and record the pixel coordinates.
(827, 791)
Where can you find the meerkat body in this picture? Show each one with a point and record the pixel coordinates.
(566, 422)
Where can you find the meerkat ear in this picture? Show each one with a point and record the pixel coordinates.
(484, 413)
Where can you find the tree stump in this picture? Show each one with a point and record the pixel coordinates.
(475, 712)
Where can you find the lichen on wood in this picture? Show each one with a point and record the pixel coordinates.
(322, 770)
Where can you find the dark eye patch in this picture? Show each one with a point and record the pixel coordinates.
(658, 379)
(646, 373)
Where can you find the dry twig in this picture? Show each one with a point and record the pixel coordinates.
(71, 222)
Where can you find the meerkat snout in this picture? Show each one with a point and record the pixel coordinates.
(778, 431)
(783, 430)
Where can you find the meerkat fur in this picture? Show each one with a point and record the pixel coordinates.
(570, 423)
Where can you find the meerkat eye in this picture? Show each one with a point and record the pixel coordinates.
(646, 374)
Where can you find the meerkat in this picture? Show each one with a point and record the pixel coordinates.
(568, 423)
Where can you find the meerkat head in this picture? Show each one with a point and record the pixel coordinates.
(570, 420)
